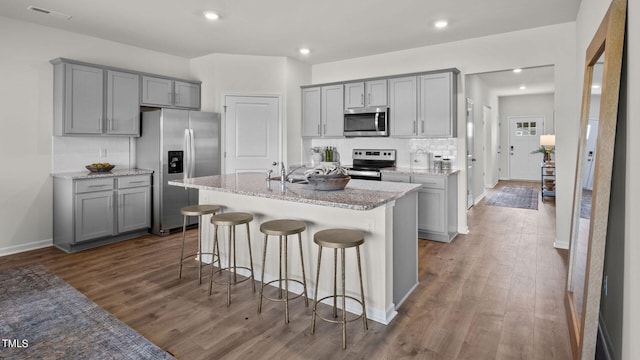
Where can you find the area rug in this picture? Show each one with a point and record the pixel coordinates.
(43, 317)
(522, 197)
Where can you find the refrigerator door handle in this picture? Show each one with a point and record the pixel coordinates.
(187, 156)
(192, 154)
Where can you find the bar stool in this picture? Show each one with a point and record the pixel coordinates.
(282, 228)
(232, 219)
(197, 210)
(339, 239)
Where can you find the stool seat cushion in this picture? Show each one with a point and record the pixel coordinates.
(197, 210)
(339, 238)
(231, 218)
(282, 227)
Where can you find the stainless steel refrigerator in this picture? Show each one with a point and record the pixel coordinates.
(177, 144)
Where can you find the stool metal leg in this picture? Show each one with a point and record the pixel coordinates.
(264, 265)
(304, 276)
(215, 244)
(335, 283)
(253, 279)
(231, 231)
(364, 307)
(286, 281)
(344, 303)
(184, 234)
(200, 253)
(315, 293)
(280, 267)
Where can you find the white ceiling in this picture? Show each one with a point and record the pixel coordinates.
(537, 80)
(332, 29)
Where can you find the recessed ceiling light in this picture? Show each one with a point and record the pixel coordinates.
(522, 87)
(441, 24)
(517, 70)
(305, 51)
(210, 15)
(595, 86)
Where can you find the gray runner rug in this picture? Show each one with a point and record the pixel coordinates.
(43, 317)
(522, 197)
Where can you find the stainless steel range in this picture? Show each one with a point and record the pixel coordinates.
(368, 162)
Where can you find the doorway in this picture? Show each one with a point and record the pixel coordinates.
(470, 159)
(252, 133)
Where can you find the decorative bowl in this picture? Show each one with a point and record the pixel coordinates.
(100, 167)
(329, 182)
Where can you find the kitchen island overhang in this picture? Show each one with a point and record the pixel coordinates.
(386, 212)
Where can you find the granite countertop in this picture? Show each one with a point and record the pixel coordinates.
(408, 170)
(92, 175)
(357, 195)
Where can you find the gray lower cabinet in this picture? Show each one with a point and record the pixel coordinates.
(437, 204)
(93, 212)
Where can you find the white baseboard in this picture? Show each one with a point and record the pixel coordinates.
(561, 244)
(25, 247)
(463, 230)
(480, 197)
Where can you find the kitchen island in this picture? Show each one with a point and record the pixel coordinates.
(386, 212)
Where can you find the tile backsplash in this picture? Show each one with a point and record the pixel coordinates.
(446, 147)
(73, 153)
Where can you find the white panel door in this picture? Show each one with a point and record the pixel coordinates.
(252, 133)
(524, 137)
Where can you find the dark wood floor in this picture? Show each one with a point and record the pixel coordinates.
(495, 293)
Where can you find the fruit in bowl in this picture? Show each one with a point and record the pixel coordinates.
(100, 167)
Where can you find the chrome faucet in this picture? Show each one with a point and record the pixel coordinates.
(283, 173)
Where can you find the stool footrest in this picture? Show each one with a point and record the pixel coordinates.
(358, 317)
(219, 271)
(283, 299)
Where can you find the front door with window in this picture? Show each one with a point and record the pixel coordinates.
(524, 137)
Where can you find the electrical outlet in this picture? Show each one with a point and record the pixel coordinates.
(371, 225)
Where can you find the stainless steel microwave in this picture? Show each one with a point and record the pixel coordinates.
(366, 122)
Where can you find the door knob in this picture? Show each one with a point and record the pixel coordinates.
(274, 163)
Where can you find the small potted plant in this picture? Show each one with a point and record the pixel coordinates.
(545, 151)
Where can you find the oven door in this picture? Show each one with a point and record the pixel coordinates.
(366, 122)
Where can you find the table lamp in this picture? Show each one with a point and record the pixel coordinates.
(548, 140)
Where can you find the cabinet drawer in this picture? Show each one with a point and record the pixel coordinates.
(83, 186)
(396, 177)
(133, 181)
(431, 182)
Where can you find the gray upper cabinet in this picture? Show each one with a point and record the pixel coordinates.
(78, 99)
(187, 95)
(403, 106)
(365, 94)
(90, 100)
(437, 105)
(322, 111)
(354, 95)
(332, 113)
(376, 93)
(157, 91)
(123, 103)
(311, 112)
